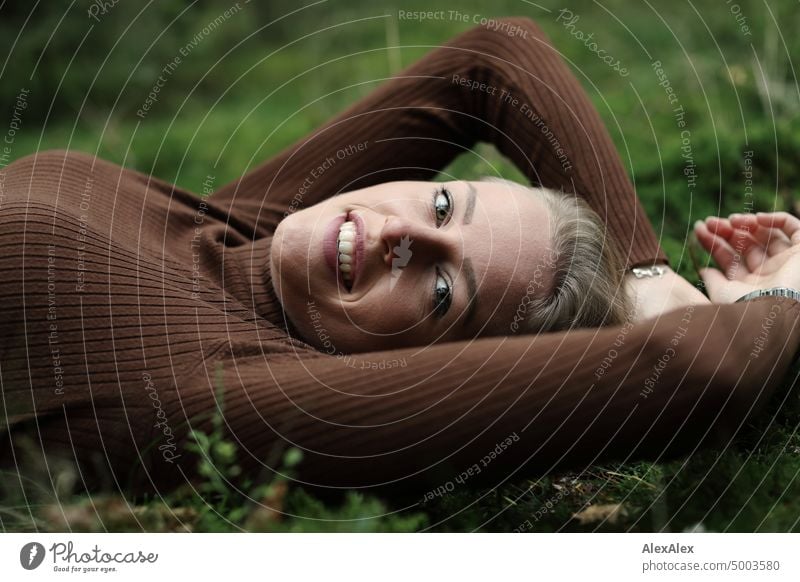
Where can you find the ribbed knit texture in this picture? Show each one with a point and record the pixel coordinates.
(133, 310)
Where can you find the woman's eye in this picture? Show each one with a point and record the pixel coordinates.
(442, 205)
(441, 296)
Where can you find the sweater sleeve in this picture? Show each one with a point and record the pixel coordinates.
(423, 417)
(485, 85)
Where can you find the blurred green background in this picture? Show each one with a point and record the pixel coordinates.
(268, 73)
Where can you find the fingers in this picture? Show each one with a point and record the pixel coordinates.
(742, 243)
(743, 232)
(772, 239)
(717, 247)
(720, 226)
(742, 238)
(790, 225)
(755, 242)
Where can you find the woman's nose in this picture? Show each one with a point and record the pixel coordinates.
(404, 239)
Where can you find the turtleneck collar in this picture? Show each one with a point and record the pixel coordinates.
(241, 268)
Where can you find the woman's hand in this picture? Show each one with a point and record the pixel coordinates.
(754, 251)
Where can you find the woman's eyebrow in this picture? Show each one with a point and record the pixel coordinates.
(469, 272)
(469, 209)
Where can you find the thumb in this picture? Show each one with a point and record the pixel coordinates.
(714, 279)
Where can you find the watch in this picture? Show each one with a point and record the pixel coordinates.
(772, 292)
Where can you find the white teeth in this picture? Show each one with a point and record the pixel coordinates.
(346, 244)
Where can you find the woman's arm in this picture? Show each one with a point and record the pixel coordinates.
(514, 91)
(651, 390)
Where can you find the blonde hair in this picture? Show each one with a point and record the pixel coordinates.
(587, 268)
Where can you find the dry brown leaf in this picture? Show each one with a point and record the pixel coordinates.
(269, 511)
(610, 513)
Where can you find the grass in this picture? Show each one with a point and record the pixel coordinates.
(738, 93)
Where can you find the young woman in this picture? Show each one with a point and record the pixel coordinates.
(335, 300)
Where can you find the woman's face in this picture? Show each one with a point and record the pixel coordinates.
(411, 263)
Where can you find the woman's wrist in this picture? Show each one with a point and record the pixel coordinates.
(789, 292)
(660, 291)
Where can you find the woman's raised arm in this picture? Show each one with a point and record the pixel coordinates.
(425, 416)
(513, 90)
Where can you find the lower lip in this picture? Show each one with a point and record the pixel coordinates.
(330, 245)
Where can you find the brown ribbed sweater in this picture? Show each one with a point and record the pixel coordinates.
(126, 303)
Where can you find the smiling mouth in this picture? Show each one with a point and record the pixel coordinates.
(346, 252)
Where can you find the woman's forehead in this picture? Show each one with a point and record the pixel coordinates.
(508, 246)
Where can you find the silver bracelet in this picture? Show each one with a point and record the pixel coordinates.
(654, 271)
(772, 292)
